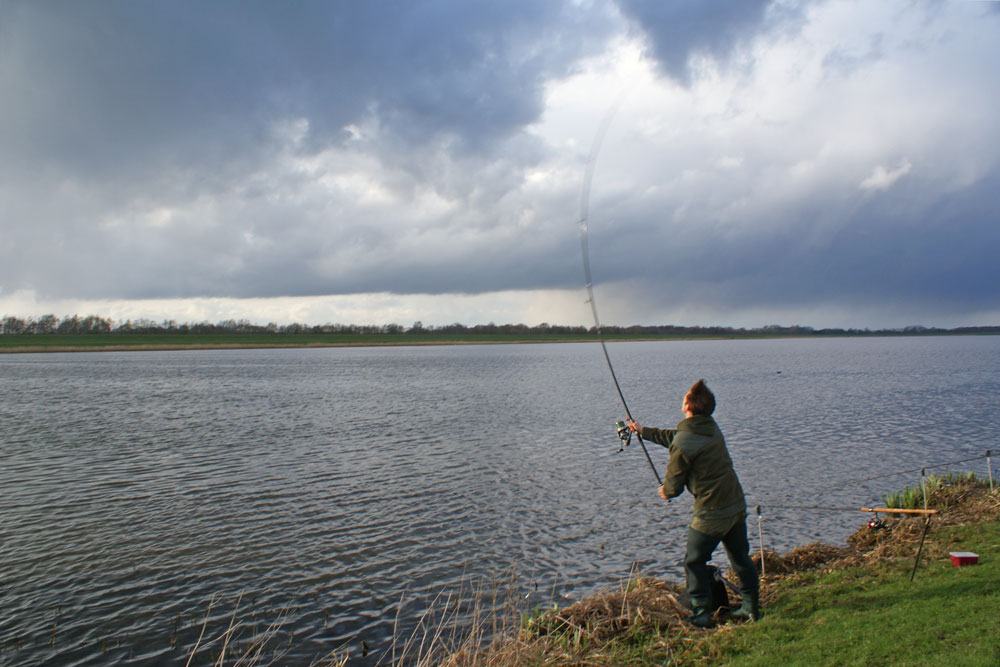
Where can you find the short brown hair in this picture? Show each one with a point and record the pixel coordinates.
(700, 399)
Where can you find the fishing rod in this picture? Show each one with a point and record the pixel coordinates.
(588, 176)
(885, 510)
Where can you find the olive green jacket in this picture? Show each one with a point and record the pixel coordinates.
(700, 461)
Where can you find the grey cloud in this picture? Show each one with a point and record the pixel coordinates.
(678, 29)
(122, 107)
(111, 87)
(878, 254)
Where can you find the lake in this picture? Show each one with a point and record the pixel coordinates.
(339, 491)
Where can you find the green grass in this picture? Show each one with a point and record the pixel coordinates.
(876, 616)
(43, 342)
(912, 497)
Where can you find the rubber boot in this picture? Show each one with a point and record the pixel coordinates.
(701, 618)
(750, 609)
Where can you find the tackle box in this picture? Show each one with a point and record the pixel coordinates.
(960, 558)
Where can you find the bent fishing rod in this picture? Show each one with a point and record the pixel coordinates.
(588, 177)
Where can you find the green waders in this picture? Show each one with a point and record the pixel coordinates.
(699, 578)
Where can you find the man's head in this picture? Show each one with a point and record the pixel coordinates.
(699, 400)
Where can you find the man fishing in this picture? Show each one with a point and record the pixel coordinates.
(700, 461)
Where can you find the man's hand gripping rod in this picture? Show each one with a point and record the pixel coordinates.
(625, 433)
(625, 436)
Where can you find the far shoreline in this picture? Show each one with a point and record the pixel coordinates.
(69, 343)
(126, 347)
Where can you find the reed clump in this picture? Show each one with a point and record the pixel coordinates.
(942, 490)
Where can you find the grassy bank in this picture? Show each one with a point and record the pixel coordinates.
(93, 342)
(874, 614)
(182, 341)
(824, 605)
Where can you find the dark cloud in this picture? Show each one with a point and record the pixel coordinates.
(108, 88)
(941, 262)
(679, 29)
(122, 107)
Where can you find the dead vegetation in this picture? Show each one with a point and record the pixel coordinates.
(641, 605)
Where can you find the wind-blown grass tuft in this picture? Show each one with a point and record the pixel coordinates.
(912, 497)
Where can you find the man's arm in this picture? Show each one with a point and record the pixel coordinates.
(661, 436)
(677, 469)
(677, 473)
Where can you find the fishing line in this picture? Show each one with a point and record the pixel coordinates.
(910, 471)
(922, 468)
(588, 177)
(877, 477)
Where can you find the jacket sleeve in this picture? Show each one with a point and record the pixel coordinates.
(677, 469)
(661, 436)
(677, 473)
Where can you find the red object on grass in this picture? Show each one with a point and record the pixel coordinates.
(960, 558)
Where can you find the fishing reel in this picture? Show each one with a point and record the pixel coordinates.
(877, 524)
(624, 434)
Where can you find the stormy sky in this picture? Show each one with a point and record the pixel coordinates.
(823, 163)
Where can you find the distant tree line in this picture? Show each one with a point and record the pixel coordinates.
(93, 324)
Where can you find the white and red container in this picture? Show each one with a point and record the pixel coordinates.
(960, 558)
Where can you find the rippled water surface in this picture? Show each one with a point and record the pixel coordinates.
(338, 491)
